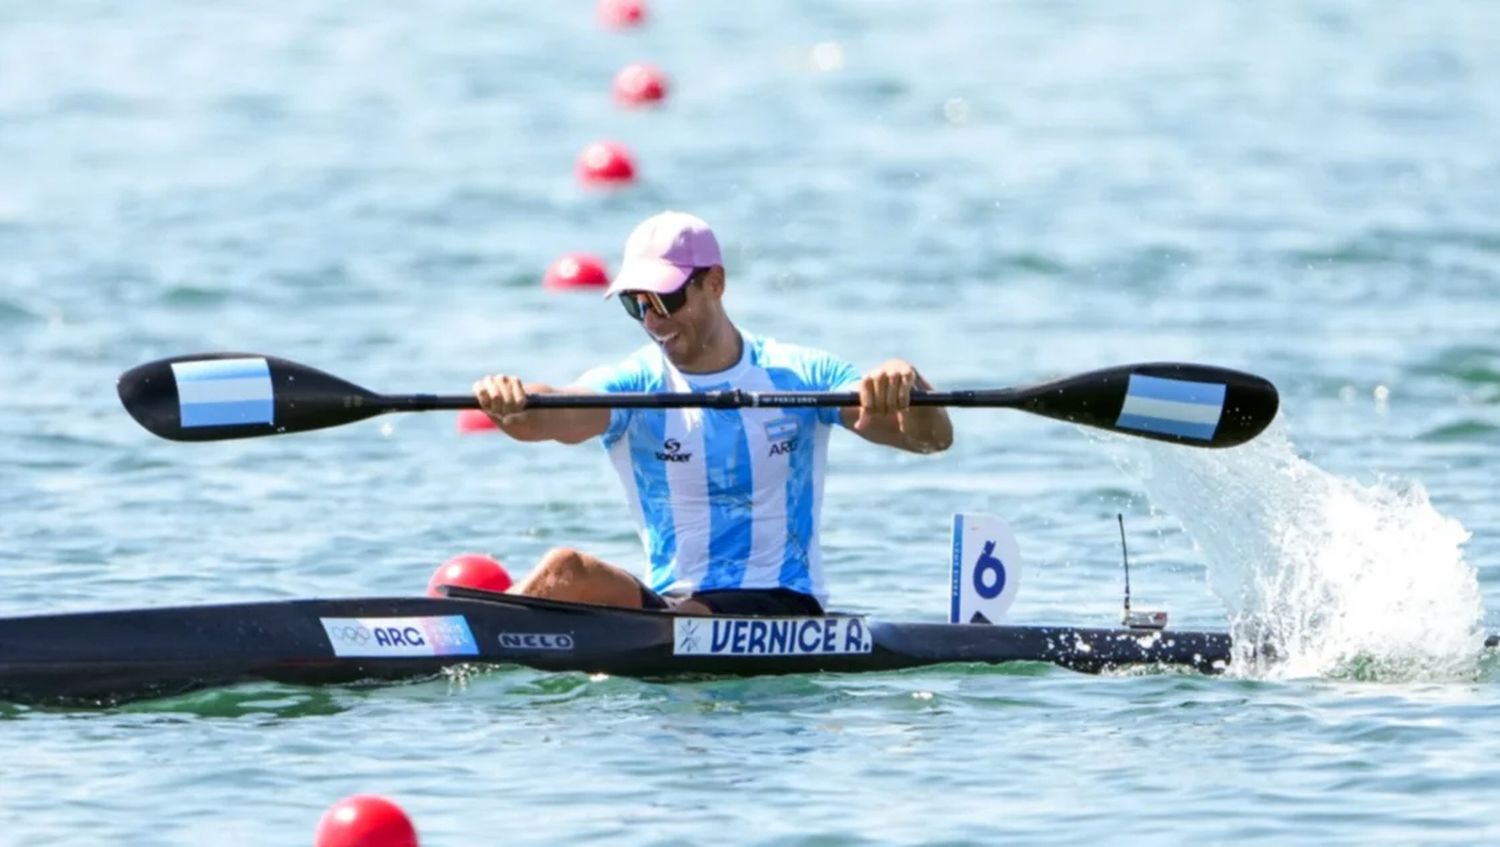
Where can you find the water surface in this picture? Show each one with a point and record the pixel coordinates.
(1000, 193)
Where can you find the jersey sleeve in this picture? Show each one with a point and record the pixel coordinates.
(611, 379)
(827, 372)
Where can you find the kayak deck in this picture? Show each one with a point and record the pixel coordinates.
(101, 658)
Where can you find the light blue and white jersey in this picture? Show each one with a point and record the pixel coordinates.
(726, 498)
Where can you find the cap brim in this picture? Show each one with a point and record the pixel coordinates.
(657, 277)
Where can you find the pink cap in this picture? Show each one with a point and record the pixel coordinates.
(663, 251)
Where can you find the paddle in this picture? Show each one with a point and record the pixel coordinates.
(217, 396)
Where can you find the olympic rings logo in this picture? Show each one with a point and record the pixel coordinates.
(350, 633)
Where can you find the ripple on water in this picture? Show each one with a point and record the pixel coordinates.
(12, 314)
(190, 296)
(1469, 430)
(251, 700)
(1470, 364)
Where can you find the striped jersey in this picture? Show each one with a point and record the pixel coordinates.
(726, 498)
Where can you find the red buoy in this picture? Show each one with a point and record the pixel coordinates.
(621, 14)
(365, 820)
(640, 85)
(575, 270)
(605, 163)
(471, 570)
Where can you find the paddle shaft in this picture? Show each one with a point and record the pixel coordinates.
(734, 399)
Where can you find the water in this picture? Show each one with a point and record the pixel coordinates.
(999, 193)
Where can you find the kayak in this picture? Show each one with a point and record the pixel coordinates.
(110, 657)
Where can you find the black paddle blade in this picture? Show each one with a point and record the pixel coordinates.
(218, 396)
(1194, 405)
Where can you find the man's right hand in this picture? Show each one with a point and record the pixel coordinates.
(501, 396)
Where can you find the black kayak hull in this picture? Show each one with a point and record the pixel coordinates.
(102, 658)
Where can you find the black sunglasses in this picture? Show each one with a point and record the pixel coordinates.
(637, 302)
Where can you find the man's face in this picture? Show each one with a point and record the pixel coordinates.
(678, 321)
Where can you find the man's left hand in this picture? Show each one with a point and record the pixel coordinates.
(886, 390)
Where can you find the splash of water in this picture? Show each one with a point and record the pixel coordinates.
(1322, 575)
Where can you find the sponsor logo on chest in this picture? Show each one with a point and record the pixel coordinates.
(770, 636)
(671, 451)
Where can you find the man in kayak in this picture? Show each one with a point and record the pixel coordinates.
(727, 501)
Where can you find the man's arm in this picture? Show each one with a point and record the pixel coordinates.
(886, 416)
(503, 398)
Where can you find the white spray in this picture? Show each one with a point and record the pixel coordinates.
(1329, 576)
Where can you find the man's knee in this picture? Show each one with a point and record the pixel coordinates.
(562, 563)
(567, 574)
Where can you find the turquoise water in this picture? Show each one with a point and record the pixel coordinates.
(1001, 193)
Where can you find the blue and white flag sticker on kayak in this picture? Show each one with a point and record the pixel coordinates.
(770, 636)
(986, 569)
(224, 392)
(1172, 407)
(441, 635)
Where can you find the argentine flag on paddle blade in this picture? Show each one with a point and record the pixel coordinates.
(986, 569)
(1172, 407)
(224, 392)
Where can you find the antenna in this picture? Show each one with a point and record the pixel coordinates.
(1136, 620)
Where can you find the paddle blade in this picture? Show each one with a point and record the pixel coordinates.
(218, 396)
(1194, 405)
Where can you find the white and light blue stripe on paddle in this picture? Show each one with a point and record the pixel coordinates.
(1172, 407)
(955, 589)
(224, 392)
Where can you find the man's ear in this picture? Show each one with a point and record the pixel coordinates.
(714, 280)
